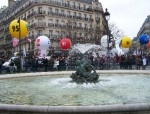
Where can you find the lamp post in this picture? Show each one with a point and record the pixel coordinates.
(20, 45)
(107, 17)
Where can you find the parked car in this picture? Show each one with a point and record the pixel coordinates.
(6, 65)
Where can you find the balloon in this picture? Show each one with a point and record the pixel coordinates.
(148, 45)
(114, 51)
(126, 42)
(144, 39)
(125, 50)
(104, 41)
(42, 43)
(65, 43)
(14, 29)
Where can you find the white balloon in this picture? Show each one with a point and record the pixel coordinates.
(125, 50)
(117, 43)
(114, 51)
(104, 41)
(42, 42)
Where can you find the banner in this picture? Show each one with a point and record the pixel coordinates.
(15, 42)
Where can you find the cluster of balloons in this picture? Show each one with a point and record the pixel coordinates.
(19, 29)
(121, 44)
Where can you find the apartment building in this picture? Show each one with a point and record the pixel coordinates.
(82, 21)
(144, 29)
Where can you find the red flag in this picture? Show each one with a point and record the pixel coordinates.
(15, 42)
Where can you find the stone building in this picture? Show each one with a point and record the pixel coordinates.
(82, 21)
(145, 29)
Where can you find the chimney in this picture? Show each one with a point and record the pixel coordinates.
(11, 3)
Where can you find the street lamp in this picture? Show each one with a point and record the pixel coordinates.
(107, 17)
(20, 45)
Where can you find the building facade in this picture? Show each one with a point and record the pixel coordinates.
(145, 29)
(82, 21)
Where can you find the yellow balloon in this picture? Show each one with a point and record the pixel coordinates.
(126, 42)
(14, 29)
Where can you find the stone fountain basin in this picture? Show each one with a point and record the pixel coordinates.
(139, 108)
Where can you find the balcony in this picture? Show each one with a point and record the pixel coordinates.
(58, 25)
(31, 15)
(40, 25)
(40, 13)
(50, 25)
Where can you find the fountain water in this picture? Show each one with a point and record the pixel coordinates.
(59, 90)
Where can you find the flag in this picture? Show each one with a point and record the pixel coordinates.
(15, 42)
(29, 40)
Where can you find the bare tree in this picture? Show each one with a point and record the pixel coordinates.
(115, 31)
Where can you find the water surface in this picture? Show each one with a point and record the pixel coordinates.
(56, 90)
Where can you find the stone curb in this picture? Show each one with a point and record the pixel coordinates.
(71, 109)
(70, 72)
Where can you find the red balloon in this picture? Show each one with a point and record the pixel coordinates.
(65, 43)
(148, 45)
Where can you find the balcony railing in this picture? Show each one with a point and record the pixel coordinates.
(40, 25)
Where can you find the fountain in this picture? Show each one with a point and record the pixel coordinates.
(85, 72)
(115, 92)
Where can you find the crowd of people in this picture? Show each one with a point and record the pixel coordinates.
(61, 63)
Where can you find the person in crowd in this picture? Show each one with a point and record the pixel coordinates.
(51, 64)
(1, 64)
(11, 66)
(138, 62)
(45, 64)
(144, 62)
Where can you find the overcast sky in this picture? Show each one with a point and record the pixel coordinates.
(128, 15)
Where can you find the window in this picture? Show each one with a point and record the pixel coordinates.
(62, 23)
(84, 7)
(85, 26)
(39, 32)
(40, 20)
(85, 16)
(79, 6)
(50, 10)
(63, 34)
(57, 22)
(68, 13)
(74, 14)
(50, 33)
(79, 14)
(62, 12)
(80, 25)
(57, 33)
(50, 21)
(28, 12)
(74, 4)
(32, 11)
(90, 16)
(40, 10)
(56, 11)
(80, 35)
(68, 3)
(25, 15)
(32, 33)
